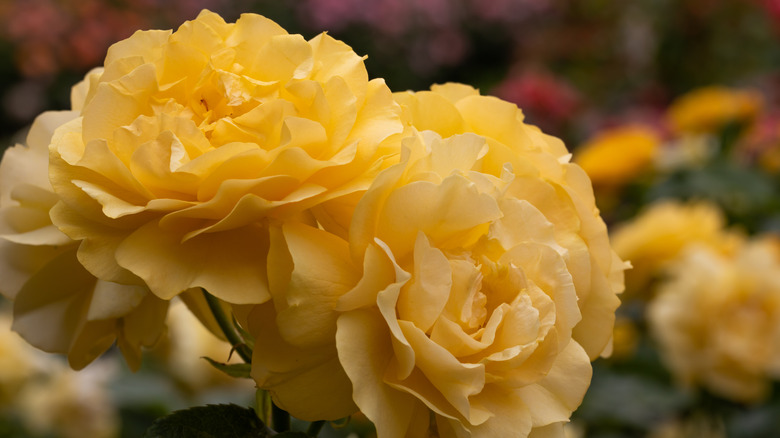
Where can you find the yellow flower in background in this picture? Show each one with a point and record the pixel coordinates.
(616, 156)
(707, 110)
(59, 306)
(69, 404)
(189, 143)
(663, 230)
(477, 284)
(19, 362)
(48, 398)
(717, 320)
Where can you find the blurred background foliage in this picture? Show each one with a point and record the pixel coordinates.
(573, 66)
(659, 100)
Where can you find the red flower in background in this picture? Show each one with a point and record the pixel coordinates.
(546, 100)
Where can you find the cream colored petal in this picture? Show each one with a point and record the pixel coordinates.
(511, 416)
(379, 117)
(432, 111)
(554, 430)
(250, 32)
(139, 44)
(29, 164)
(142, 327)
(455, 154)
(364, 352)
(118, 103)
(522, 222)
(422, 300)
(556, 396)
(29, 222)
(227, 264)
(493, 117)
(42, 130)
(454, 91)
(96, 252)
(451, 336)
(50, 309)
(80, 92)
(333, 58)
(19, 262)
(452, 215)
(365, 218)
(91, 341)
(112, 300)
(322, 273)
(380, 272)
(284, 57)
(594, 332)
(307, 382)
(547, 269)
(455, 380)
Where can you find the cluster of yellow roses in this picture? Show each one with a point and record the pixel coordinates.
(425, 258)
(714, 297)
(683, 137)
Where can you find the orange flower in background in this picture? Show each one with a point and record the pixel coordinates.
(619, 155)
(707, 110)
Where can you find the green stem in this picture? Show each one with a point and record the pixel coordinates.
(227, 327)
(280, 419)
(315, 427)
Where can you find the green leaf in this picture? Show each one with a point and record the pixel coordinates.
(240, 370)
(289, 434)
(211, 421)
(249, 340)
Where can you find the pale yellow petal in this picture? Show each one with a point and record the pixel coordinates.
(307, 382)
(233, 277)
(364, 350)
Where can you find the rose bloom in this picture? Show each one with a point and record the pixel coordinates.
(69, 404)
(730, 344)
(615, 157)
(476, 286)
(19, 362)
(191, 142)
(58, 305)
(663, 230)
(709, 109)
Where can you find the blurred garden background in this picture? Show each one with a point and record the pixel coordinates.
(671, 106)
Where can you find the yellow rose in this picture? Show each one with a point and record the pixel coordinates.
(617, 156)
(191, 142)
(68, 404)
(19, 362)
(468, 300)
(58, 305)
(708, 109)
(664, 229)
(730, 344)
(559, 189)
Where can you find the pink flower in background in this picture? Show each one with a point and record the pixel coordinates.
(509, 11)
(54, 35)
(548, 101)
